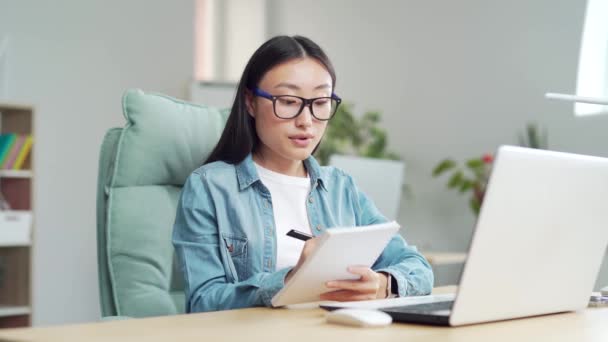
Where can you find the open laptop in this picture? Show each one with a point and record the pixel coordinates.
(537, 248)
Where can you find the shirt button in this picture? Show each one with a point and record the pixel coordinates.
(266, 204)
(310, 200)
(318, 228)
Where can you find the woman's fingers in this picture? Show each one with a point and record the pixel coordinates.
(363, 288)
(369, 280)
(365, 272)
(347, 296)
(353, 285)
(309, 245)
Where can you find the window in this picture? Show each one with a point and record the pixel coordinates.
(226, 33)
(593, 61)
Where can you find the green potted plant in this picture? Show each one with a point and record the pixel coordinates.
(359, 146)
(473, 175)
(534, 137)
(347, 135)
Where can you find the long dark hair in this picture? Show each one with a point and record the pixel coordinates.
(239, 137)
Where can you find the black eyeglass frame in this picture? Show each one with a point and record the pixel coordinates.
(305, 103)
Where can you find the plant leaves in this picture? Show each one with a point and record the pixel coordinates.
(375, 148)
(533, 137)
(475, 164)
(465, 186)
(456, 180)
(443, 166)
(346, 134)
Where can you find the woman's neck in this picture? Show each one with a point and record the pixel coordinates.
(278, 164)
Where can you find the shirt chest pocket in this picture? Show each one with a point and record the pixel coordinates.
(236, 248)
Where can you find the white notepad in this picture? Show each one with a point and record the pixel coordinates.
(338, 248)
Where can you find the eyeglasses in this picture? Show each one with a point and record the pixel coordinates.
(290, 106)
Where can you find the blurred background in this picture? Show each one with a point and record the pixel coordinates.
(450, 79)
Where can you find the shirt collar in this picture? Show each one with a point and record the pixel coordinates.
(247, 174)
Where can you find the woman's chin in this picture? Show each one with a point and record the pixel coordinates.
(299, 154)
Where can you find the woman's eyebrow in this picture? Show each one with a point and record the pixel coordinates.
(295, 87)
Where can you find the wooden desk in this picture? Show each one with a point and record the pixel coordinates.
(263, 324)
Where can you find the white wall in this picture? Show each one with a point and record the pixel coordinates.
(453, 78)
(73, 59)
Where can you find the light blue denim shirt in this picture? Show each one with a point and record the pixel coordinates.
(224, 235)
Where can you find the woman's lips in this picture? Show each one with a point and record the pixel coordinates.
(301, 140)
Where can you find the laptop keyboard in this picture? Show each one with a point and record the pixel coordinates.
(427, 308)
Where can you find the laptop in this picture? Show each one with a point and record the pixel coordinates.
(537, 248)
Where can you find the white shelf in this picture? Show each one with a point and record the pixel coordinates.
(8, 311)
(16, 226)
(16, 174)
(4, 244)
(15, 106)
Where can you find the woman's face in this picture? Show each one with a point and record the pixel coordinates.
(290, 139)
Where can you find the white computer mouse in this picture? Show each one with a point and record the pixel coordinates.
(359, 317)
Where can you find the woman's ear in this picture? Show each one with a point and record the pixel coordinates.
(249, 103)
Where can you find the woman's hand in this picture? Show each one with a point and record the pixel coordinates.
(309, 246)
(371, 285)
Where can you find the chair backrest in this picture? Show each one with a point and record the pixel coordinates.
(142, 168)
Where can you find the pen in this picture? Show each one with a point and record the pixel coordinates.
(299, 235)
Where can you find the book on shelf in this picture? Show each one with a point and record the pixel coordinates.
(14, 150)
(23, 152)
(6, 143)
(10, 161)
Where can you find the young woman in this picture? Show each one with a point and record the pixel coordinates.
(261, 181)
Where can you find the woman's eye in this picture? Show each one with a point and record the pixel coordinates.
(287, 102)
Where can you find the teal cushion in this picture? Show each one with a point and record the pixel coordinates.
(163, 142)
(165, 139)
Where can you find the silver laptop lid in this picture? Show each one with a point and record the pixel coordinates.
(540, 237)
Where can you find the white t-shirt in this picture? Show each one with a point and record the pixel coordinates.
(289, 195)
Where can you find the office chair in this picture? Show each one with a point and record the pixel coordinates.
(142, 168)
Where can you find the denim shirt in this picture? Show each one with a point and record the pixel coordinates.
(224, 235)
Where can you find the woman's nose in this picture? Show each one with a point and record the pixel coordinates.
(305, 118)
